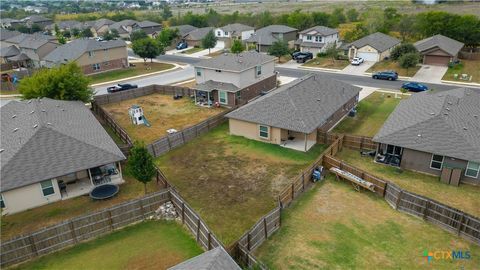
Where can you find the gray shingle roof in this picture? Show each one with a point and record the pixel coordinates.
(236, 28)
(74, 49)
(236, 62)
(54, 138)
(17, 39)
(24, 56)
(321, 30)
(445, 123)
(101, 22)
(378, 41)
(213, 85)
(447, 44)
(119, 24)
(143, 24)
(33, 42)
(302, 105)
(215, 259)
(198, 33)
(64, 25)
(264, 36)
(36, 19)
(9, 51)
(184, 29)
(7, 34)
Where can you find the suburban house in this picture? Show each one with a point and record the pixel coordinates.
(233, 31)
(150, 28)
(98, 27)
(124, 28)
(214, 259)
(31, 49)
(38, 20)
(7, 22)
(183, 29)
(291, 115)
(433, 132)
(52, 150)
(233, 79)
(91, 55)
(194, 37)
(374, 47)
(7, 34)
(438, 50)
(316, 39)
(64, 25)
(263, 38)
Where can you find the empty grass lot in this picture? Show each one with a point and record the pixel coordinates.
(463, 197)
(163, 112)
(470, 67)
(139, 69)
(232, 181)
(326, 62)
(371, 114)
(393, 65)
(39, 217)
(148, 245)
(335, 227)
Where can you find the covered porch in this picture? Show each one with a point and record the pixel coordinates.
(82, 182)
(297, 140)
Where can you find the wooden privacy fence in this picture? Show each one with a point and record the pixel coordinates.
(82, 228)
(447, 217)
(100, 112)
(359, 142)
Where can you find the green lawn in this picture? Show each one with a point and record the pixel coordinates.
(393, 65)
(192, 50)
(371, 114)
(333, 226)
(39, 217)
(463, 197)
(139, 69)
(327, 62)
(148, 245)
(470, 67)
(232, 181)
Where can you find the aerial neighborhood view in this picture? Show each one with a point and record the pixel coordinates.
(240, 134)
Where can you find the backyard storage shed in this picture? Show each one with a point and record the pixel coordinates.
(438, 50)
(290, 115)
(52, 150)
(434, 131)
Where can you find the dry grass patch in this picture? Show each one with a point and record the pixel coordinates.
(327, 62)
(463, 197)
(232, 181)
(335, 227)
(163, 112)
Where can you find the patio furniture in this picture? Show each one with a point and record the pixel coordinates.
(103, 192)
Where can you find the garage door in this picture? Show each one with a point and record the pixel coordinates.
(436, 60)
(368, 56)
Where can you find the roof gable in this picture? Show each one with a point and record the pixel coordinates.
(444, 43)
(378, 41)
(236, 62)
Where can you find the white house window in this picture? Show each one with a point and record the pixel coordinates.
(222, 97)
(2, 202)
(198, 71)
(318, 38)
(225, 33)
(96, 67)
(263, 132)
(394, 150)
(309, 37)
(219, 33)
(258, 70)
(47, 187)
(437, 162)
(91, 53)
(472, 169)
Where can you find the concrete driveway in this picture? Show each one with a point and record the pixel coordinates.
(431, 74)
(358, 70)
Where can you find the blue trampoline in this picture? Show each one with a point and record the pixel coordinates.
(103, 192)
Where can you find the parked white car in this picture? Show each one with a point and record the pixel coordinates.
(357, 61)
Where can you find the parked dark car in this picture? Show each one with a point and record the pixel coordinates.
(386, 75)
(415, 86)
(182, 45)
(121, 87)
(304, 57)
(295, 54)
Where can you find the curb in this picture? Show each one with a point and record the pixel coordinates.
(10, 96)
(461, 83)
(176, 66)
(182, 82)
(322, 69)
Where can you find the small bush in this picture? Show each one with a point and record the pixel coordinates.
(321, 54)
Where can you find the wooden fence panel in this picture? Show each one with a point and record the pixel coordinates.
(53, 238)
(92, 225)
(17, 250)
(125, 214)
(175, 139)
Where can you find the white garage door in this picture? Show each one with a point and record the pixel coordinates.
(368, 56)
(220, 44)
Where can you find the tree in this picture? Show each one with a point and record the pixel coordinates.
(57, 29)
(409, 60)
(321, 18)
(140, 164)
(167, 35)
(35, 28)
(406, 26)
(279, 48)
(61, 39)
(299, 20)
(402, 49)
(67, 34)
(111, 34)
(352, 15)
(332, 52)
(337, 17)
(138, 34)
(86, 33)
(357, 33)
(75, 32)
(166, 12)
(65, 82)
(147, 48)
(237, 46)
(209, 41)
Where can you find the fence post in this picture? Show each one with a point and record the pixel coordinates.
(32, 244)
(460, 224)
(209, 241)
(265, 226)
(293, 191)
(399, 198)
(183, 213)
(248, 242)
(427, 205)
(110, 219)
(141, 208)
(280, 202)
(303, 181)
(198, 229)
(72, 229)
